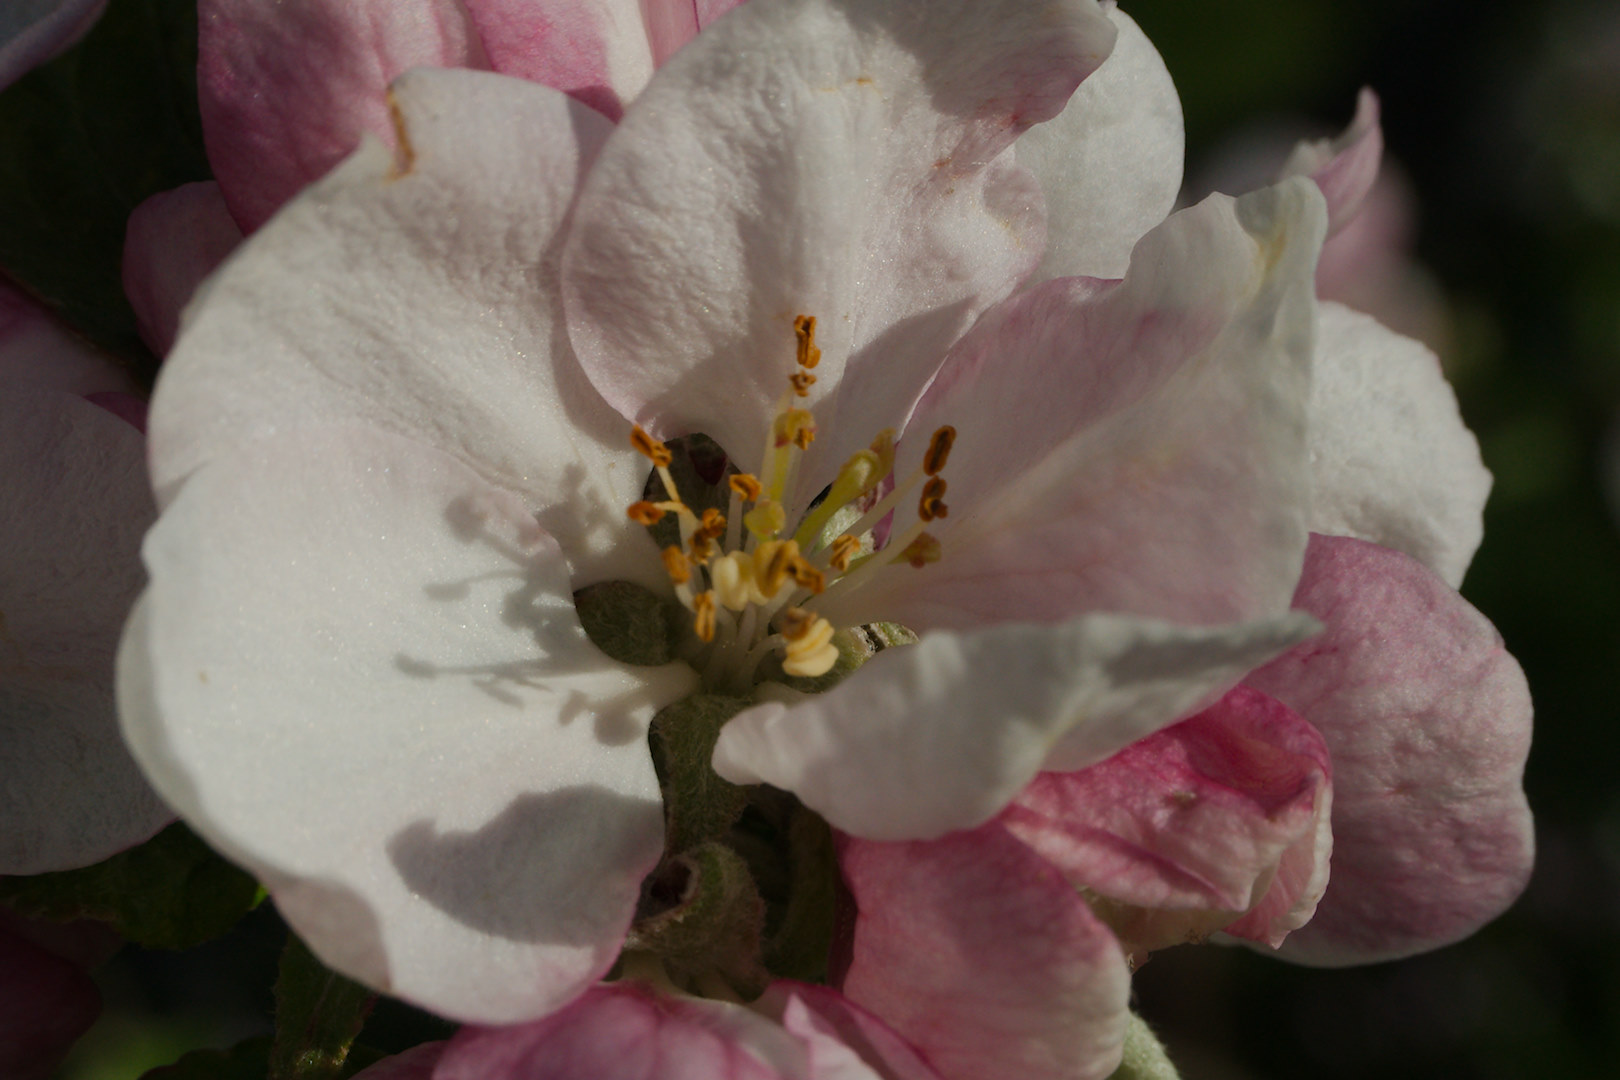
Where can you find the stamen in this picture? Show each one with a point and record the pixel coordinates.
(804, 328)
(794, 426)
(772, 563)
(804, 436)
(860, 474)
(703, 615)
(645, 513)
(807, 576)
(809, 649)
(746, 486)
(932, 503)
(766, 519)
(802, 382)
(921, 551)
(700, 550)
(651, 449)
(733, 578)
(844, 549)
(677, 565)
(939, 449)
(713, 526)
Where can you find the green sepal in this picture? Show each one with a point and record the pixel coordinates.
(630, 622)
(1145, 1057)
(172, 892)
(715, 925)
(698, 805)
(319, 1014)
(245, 1061)
(85, 139)
(799, 946)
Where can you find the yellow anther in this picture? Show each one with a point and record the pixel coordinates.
(804, 329)
(932, 504)
(677, 565)
(921, 551)
(701, 549)
(766, 519)
(802, 382)
(795, 426)
(807, 576)
(746, 486)
(844, 550)
(809, 651)
(645, 513)
(772, 564)
(703, 615)
(713, 526)
(650, 448)
(939, 449)
(733, 578)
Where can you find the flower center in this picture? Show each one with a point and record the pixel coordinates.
(752, 585)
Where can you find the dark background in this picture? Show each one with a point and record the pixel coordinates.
(1506, 119)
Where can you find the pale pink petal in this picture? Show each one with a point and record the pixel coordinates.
(1428, 721)
(1185, 830)
(173, 240)
(33, 31)
(841, 160)
(46, 1003)
(978, 953)
(1344, 168)
(1137, 449)
(423, 304)
(358, 671)
(1110, 163)
(417, 1063)
(37, 351)
(627, 1031)
(942, 734)
(73, 506)
(838, 1034)
(1391, 460)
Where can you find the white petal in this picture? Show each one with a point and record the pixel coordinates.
(358, 671)
(420, 298)
(1390, 458)
(941, 735)
(73, 506)
(842, 160)
(1110, 163)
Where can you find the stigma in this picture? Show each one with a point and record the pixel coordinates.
(750, 577)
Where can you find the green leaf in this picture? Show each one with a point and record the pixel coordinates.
(630, 622)
(319, 1014)
(83, 140)
(1145, 1058)
(698, 805)
(172, 892)
(244, 1061)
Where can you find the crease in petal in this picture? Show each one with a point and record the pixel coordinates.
(1110, 164)
(422, 303)
(1428, 720)
(1344, 168)
(1391, 460)
(358, 671)
(1137, 448)
(1212, 821)
(894, 218)
(942, 734)
(977, 952)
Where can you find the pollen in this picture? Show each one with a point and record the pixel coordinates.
(703, 616)
(922, 551)
(802, 382)
(650, 448)
(795, 426)
(844, 550)
(804, 329)
(746, 486)
(677, 565)
(807, 576)
(773, 561)
(932, 504)
(645, 513)
(939, 449)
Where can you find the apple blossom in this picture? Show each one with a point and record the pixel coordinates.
(32, 31)
(73, 505)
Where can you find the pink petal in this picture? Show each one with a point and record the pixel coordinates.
(838, 160)
(37, 351)
(979, 954)
(417, 1063)
(627, 1031)
(33, 31)
(832, 1026)
(1344, 168)
(46, 1003)
(1428, 720)
(1187, 828)
(174, 239)
(1134, 449)
(672, 23)
(286, 91)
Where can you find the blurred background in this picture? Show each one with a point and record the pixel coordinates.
(1499, 241)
